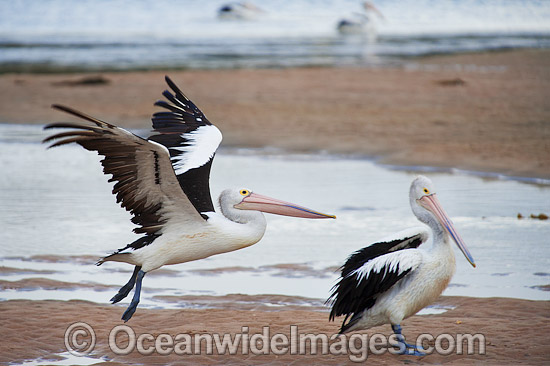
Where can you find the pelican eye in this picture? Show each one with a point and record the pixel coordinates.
(244, 192)
(426, 191)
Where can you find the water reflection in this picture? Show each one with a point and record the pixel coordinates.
(58, 203)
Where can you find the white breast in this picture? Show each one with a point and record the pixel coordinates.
(218, 235)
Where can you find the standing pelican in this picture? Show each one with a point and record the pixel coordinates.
(360, 23)
(164, 183)
(392, 280)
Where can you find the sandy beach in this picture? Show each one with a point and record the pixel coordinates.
(482, 112)
(512, 329)
(485, 112)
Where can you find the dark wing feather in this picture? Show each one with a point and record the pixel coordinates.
(362, 256)
(145, 181)
(370, 272)
(191, 141)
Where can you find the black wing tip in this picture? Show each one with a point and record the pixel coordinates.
(172, 98)
(168, 80)
(69, 110)
(80, 129)
(49, 126)
(332, 314)
(346, 327)
(179, 109)
(60, 107)
(166, 108)
(55, 136)
(171, 83)
(174, 87)
(82, 115)
(49, 138)
(195, 110)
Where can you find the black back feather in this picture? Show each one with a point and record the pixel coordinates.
(352, 296)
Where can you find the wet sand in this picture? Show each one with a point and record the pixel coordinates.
(484, 112)
(513, 329)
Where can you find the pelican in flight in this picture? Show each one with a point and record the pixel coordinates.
(395, 278)
(164, 183)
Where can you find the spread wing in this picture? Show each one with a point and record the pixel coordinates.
(191, 141)
(372, 271)
(145, 181)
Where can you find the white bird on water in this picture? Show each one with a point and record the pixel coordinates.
(361, 23)
(239, 11)
(392, 280)
(164, 183)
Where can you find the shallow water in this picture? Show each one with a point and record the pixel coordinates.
(98, 35)
(58, 216)
(63, 359)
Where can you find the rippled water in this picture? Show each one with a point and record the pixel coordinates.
(58, 216)
(142, 34)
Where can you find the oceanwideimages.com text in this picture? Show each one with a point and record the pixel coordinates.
(80, 339)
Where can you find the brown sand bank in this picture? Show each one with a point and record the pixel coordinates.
(487, 112)
(513, 330)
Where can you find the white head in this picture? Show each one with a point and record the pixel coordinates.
(427, 209)
(243, 205)
(231, 197)
(421, 186)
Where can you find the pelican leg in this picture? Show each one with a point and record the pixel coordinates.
(408, 349)
(135, 300)
(125, 290)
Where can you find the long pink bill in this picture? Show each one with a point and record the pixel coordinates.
(432, 204)
(258, 202)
